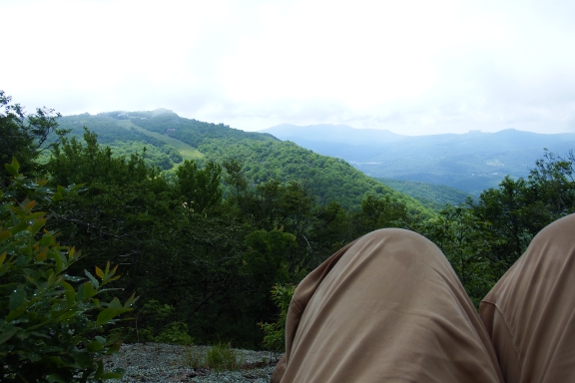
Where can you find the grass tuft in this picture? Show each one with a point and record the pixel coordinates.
(220, 357)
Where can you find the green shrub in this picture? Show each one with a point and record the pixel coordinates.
(157, 326)
(174, 333)
(274, 333)
(51, 323)
(220, 357)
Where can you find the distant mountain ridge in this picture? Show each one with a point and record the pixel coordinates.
(471, 162)
(170, 139)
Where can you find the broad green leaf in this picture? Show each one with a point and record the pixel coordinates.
(100, 370)
(73, 278)
(105, 316)
(21, 226)
(100, 339)
(91, 277)
(5, 335)
(115, 303)
(95, 346)
(69, 292)
(30, 205)
(58, 258)
(26, 249)
(4, 268)
(89, 290)
(2, 258)
(38, 214)
(114, 347)
(51, 275)
(85, 291)
(122, 310)
(13, 314)
(61, 189)
(13, 167)
(34, 357)
(83, 359)
(80, 293)
(57, 197)
(41, 256)
(33, 229)
(100, 273)
(114, 278)
(11, 170)
(17, 297)
(114, 271)
(46, 240)
(113, 338)
(15, 164)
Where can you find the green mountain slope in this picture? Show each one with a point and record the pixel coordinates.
(263, 157)
(431, 195)
(186, 151)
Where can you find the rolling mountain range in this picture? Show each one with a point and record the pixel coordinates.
(170, 139)
(470, 162)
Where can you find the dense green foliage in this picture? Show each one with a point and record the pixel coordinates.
(204, 243)
(483, 239)
(212, 259)
(431, 195)
(24, 135)
(274, 338)
(262, 157)
(51, 323)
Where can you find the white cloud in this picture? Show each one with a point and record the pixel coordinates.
(414, 66)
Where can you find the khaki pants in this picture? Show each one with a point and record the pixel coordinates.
(389, 308)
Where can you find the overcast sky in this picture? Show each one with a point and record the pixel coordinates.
(410, 66)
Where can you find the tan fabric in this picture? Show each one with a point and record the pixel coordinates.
(386, 308)
(530, 313)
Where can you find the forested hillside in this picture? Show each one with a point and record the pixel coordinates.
(169, 139)
(203, 242)
(203, 245)
(432, 195)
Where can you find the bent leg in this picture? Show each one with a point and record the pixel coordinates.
(530, 313)
(386, 308)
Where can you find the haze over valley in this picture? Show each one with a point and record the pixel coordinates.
(471, 162)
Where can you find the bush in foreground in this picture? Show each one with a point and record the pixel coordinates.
(51, 323)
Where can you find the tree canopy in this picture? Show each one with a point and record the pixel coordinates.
(203, 244)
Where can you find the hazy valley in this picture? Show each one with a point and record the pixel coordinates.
(470, 162)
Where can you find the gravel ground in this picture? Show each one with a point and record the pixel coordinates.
(158, 362)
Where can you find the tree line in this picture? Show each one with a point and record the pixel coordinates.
(203, 246)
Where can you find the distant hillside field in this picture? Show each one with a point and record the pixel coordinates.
(170, 139)
(470, 162)
(186, 151)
